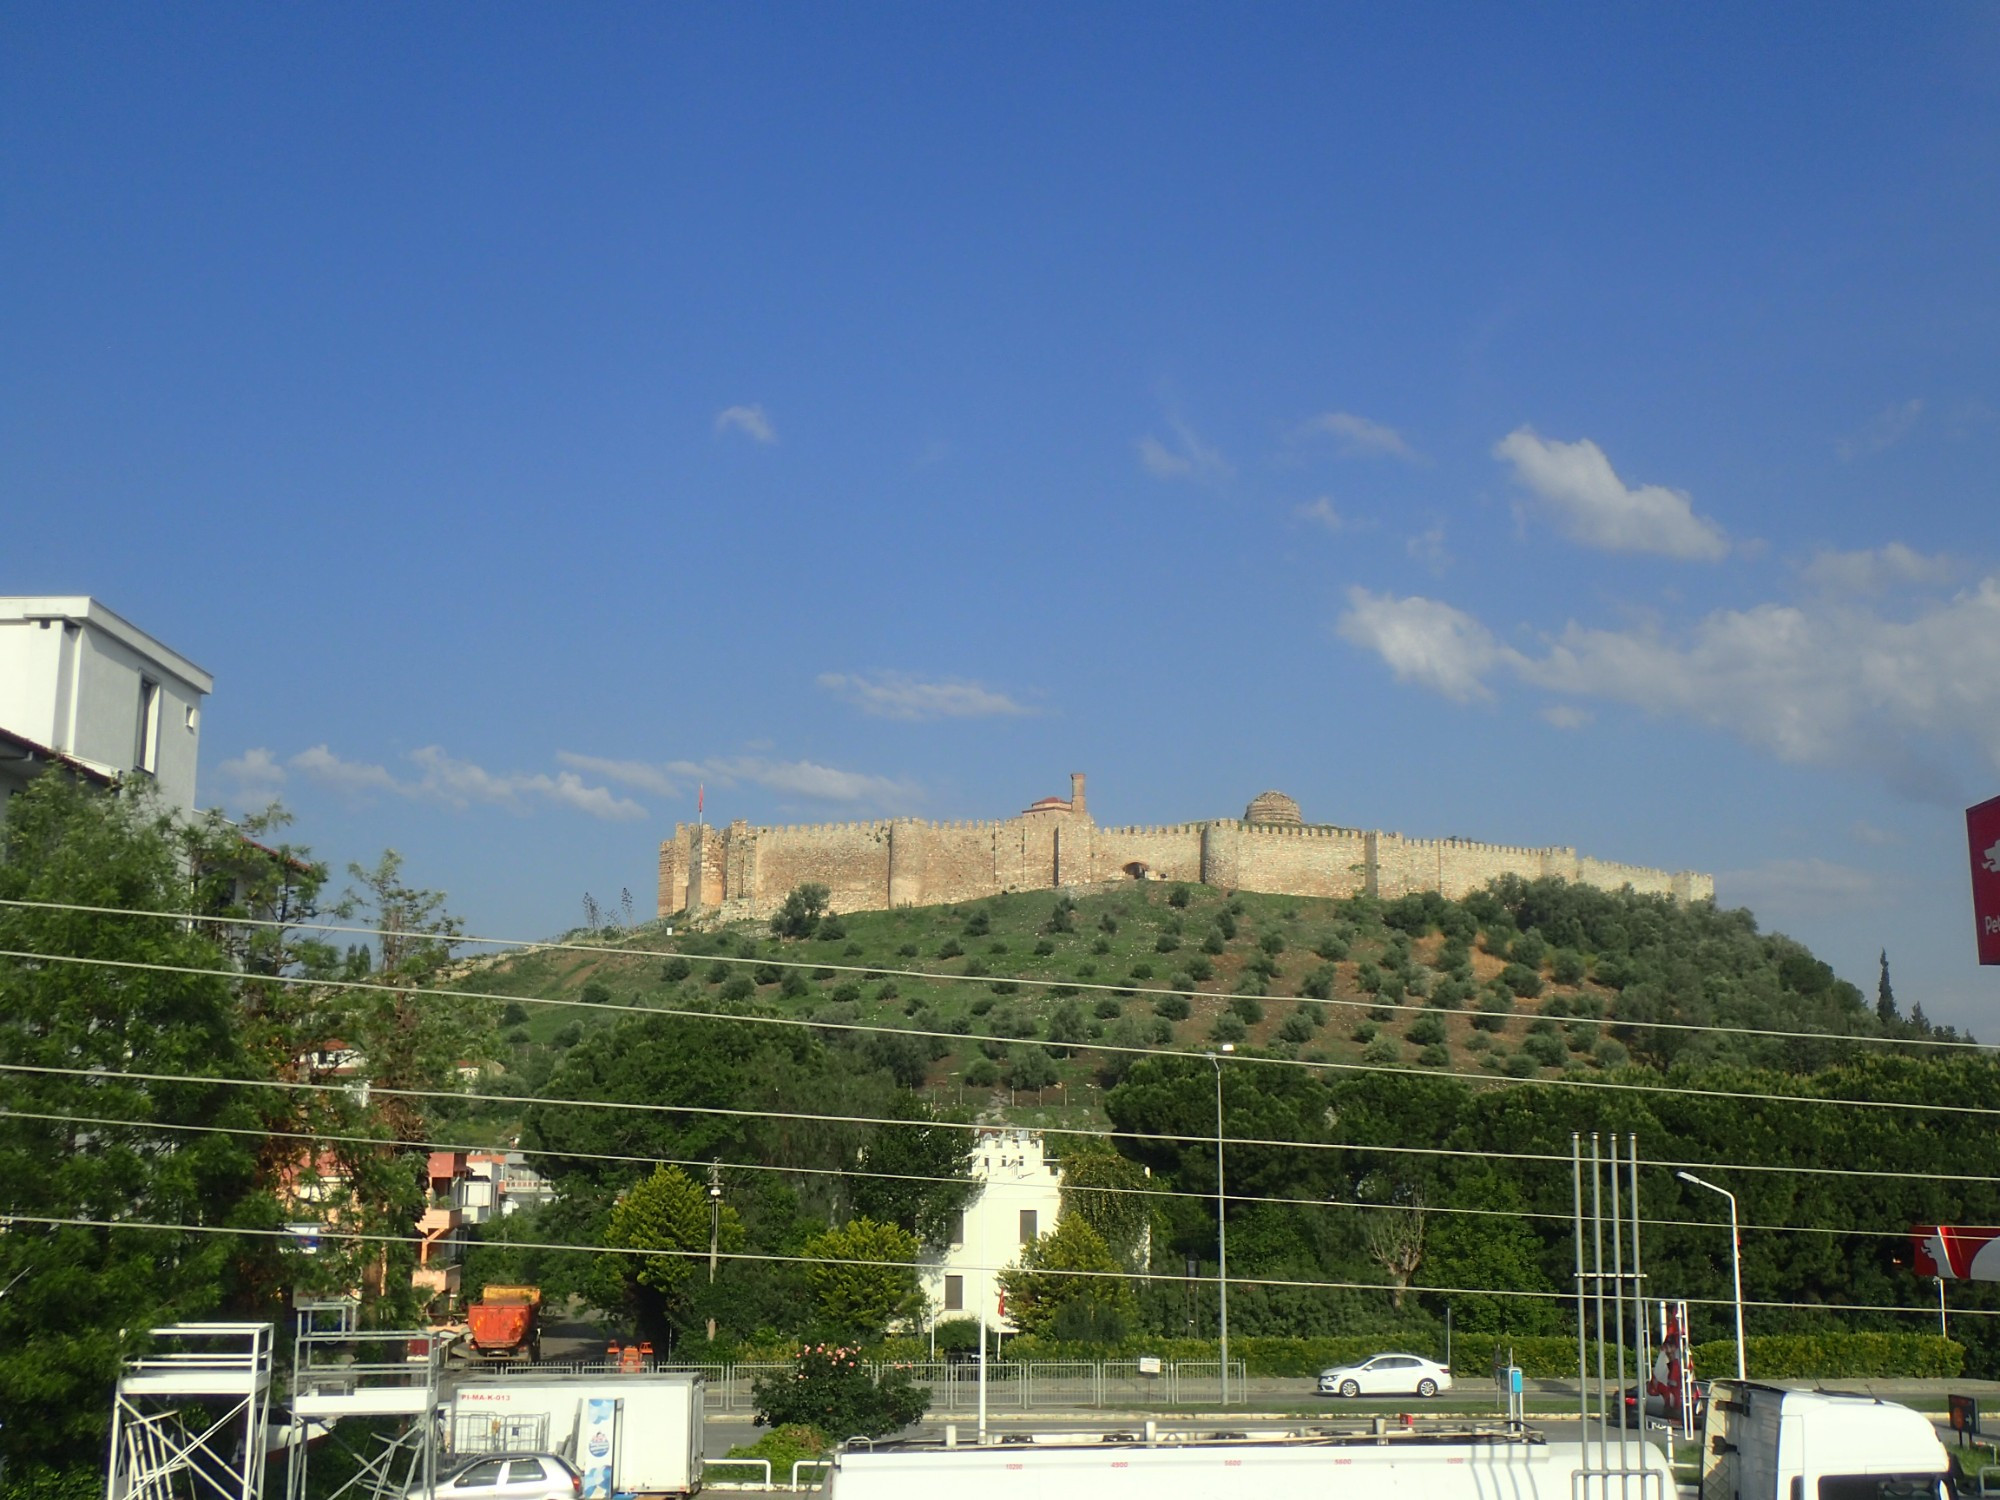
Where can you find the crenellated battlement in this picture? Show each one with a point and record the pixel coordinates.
(743, 871)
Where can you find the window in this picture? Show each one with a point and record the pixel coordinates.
(146, 740)
(525, 1469)
(956, 1234)
(484, 1475)
(954, 1294)
(1029, 1220)
(1879, 1487)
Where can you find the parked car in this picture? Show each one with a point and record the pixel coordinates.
(506, 1476)
(1654, 1408)
(1386, 1375)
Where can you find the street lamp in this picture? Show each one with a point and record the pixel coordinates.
(1735, 1261)
(1221, 1221)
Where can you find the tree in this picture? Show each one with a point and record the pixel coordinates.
(667, 1217)
(922, 1171)
(87, 1141)
(799, 916)
(1108, 1192)
(864, 1279)
(1885, 996)
(1394, 1235)
(1064, 1273)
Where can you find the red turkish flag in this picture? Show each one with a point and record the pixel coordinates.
(1982, 827)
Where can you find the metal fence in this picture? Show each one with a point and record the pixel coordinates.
(1011, 1384)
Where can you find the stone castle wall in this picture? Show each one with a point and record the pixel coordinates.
(746, 871)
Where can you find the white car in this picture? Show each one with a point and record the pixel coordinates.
(1386, 1375)
(507, 1476)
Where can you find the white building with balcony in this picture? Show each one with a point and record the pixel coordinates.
(82, 687)
(1019, 1198)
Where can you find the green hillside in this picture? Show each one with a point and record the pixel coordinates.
(1007, 1001)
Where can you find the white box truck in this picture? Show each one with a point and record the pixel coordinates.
(637, 1433)
(1762, 1442)
(1395, 1467)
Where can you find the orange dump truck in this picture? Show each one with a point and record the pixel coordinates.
(505, 1323)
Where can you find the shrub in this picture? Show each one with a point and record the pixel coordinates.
(831, 1391)
(976, 967)
(1530, 948)
(1522, 980)
(982, 1073)
(1177, 897)
(1101, 947)
(1109, 1009)
(1426, 1030)
(982, 1005)
(1200, 969)
(831, 929)
(1213, 943)
(675, 969)
(1609, 1053)
(1567, 967)
(1367, 977)
(889, 991)
(1332, 948)
(567, 1036)
(1545, 1048)
(1228, 1028)
(908, 950)
(950, 948)
(1297, 1027)
(1437, 1055)
(1384, 1049)
(1247, 1008)
(737, 988)
(516, 1014)
(1044, 948)
(978, 924)
(1522, 1065)
(1319, 982)
(1107, 923)
(1142, 972)
(1272, 943)
(794, 985)
(1838, 1356)
(1171, 1007)
(1366, 1031)
(1166, 942)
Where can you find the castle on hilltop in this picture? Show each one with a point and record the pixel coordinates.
(741, 871)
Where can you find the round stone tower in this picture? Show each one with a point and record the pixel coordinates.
(1273, 807)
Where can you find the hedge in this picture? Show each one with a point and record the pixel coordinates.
(1835, 1356)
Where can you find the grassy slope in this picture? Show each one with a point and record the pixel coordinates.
(983, 991)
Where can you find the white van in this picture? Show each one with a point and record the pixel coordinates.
(1761, 1442)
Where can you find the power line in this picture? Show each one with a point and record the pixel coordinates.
(1561, 1081)
(521, 947)
(702, 1163)
(728, 1112)
(753, 1257)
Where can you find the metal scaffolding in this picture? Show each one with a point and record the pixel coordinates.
(342, 1372)
(190, 1417)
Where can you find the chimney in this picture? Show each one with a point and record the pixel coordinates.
(1076, 807)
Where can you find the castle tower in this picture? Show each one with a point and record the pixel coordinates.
(1076, 807)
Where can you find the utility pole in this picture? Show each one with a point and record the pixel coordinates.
(714, 1227)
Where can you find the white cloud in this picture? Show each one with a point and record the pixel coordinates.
(1576, 484)
(349, 777)
(1322, 513)
(636, 773)
(1884, 430)
(1800, 887)
(1427, 547)
(895, 695)
(1190, 459)
(1359, 437)
(461, 784)
(1829, 682)
(795, 778)
(752, 421)
(1878, 570)
(1567, 716)
(1423, 641)
(254, 773)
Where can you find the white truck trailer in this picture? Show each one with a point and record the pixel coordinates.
(1761, 1442)
(630, 1433)
(1357, 1467)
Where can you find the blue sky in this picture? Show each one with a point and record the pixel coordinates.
(1552, 424)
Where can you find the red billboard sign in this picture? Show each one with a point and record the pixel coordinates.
(1954, 1253)
(1982, 827)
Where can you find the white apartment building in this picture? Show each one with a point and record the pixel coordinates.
(1020, 1197)
(80, 686)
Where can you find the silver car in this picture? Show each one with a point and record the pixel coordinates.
(507, 1476)
(1386, 1375)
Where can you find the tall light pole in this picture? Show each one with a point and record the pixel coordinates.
(1221, 1221)
(1735, 1261)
